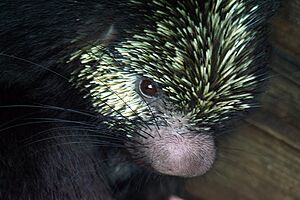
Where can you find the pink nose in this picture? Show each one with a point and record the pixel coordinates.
(181, 156)
(184, 155)
(174, 198)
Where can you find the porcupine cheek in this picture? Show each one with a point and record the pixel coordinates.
(168, 152)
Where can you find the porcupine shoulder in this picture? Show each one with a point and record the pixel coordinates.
(156, 81)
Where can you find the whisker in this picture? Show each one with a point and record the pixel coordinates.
(96, 144)
(77, 137)
(91, 125)
(60, 109)
(48, 131)
(61, 120)
(33, 63)
(99, 134)
(24, 124)
(18, 118)
(50, 107)
(45, 120)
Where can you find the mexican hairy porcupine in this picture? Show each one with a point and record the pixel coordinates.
(96, 95)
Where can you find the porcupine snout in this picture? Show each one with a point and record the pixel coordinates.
(175, 150)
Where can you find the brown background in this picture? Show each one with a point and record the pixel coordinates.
(261, 159)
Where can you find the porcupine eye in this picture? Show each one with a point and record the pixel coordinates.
(148, 88)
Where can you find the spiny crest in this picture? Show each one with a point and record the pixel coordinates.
(202, 54)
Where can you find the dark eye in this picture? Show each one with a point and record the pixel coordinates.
(148, 88)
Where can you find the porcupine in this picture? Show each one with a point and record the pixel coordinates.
(94, 93)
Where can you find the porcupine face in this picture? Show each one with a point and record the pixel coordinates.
(177, 79)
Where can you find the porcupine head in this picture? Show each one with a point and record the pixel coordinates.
(177, 79)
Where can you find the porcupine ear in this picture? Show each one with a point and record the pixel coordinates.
(109, 36)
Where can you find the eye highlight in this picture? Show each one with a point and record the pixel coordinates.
(148, 88)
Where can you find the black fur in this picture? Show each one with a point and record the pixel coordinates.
(47, 151)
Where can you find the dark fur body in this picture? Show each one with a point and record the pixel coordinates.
(35, 38)
(51, 150)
